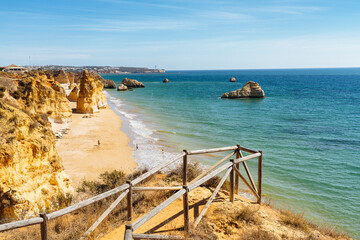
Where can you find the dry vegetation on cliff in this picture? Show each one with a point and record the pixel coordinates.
(224, 220)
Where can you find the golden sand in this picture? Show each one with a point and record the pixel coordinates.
(84, 158)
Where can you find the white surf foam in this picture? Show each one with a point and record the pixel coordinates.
(148, 152)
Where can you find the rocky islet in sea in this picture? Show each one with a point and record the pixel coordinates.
(250, 90)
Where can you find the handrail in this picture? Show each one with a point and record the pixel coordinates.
(129, 187)
(21, 223)
(87, 202)
(212, 150)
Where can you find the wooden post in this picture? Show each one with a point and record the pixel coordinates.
(185, 168)
(260, 175)
(186, 195)
(129, 201)
(232, 182)
(128, 232)
(237, 166)
(186, 210)
(44, 226)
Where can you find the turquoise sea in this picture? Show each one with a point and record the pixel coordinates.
(308, 127)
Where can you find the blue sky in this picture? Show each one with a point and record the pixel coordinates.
(182, 34)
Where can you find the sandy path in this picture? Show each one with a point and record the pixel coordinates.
(84, 158)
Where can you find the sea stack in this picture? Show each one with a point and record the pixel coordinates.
(232, 79)
(91, 98)
(73, 96)
(166, 80)
(108, 83)
(250, 90)
(132, 83)
(122, 87)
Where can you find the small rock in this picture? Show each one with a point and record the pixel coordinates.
(166, 80)
(232, 79)
(122, 87)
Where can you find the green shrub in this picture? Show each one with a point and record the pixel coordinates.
(105, 182)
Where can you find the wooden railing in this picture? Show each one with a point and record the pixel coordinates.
(228, 164)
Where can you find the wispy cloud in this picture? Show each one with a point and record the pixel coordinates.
(150, 4)
(131, 26)
(225, 15)
(293, 10)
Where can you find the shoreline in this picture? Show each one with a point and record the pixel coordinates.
(83, 157)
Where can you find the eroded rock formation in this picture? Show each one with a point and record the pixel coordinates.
(166, 80)
(108, 83)
(59, 75)
(32, 177)
(44, 96)
(232, 79)
(132, 83)
(250, 90)
(122, 87)
(91, 98)
(73, 96)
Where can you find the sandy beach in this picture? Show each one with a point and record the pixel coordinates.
(83, 157)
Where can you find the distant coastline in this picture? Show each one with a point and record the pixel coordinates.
(101, 69)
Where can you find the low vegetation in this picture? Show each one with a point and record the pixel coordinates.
(240, 220)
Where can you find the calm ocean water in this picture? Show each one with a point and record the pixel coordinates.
(308, 127)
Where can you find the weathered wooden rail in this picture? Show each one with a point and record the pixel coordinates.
(228, 164)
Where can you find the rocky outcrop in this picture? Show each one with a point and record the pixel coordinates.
(166, 80)
(45, 97)
(32, 177)
(59, 75)
(91, 98)
(72, 85)
(73, 96)
(232, 79)
(250, 90)
(122, 87)
(108, 83)
(132, 83)
(71, 77)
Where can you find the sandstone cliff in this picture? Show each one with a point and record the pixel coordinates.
(250, 90)
(91, 98)
(44, 96)
(31, 171)
(59, 75)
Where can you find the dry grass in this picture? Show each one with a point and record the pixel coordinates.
(295, 220)
(202, 231)
(72, 226)
(194, 169)
(246, 214)
(257, 234)
(330, 232)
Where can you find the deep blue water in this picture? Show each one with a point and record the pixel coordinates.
(308, 127)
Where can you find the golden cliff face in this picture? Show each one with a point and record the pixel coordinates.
(91, 98)
(32, 177)
(42, 95)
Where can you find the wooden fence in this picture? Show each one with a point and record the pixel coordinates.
(228, 164)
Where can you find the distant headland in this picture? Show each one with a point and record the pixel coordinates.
(97, 69)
